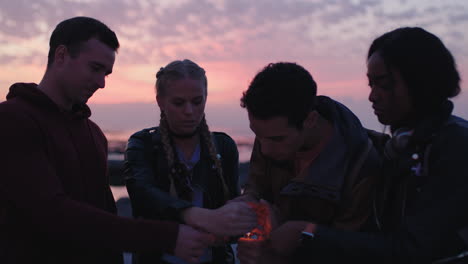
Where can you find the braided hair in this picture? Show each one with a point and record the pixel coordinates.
(178, 70)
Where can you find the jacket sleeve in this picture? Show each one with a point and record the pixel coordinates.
(30, 186)
(355, 208)
(430, 229)
(230, 162)
(147, 199)
(257, 170)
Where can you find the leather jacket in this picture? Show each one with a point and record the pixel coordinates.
(148, 183)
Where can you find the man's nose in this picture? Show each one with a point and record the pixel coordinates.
(101, 81)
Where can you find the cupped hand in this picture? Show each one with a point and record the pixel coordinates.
(191, 243)
(232, 219)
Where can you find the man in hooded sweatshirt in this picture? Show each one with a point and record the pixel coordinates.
(56, 205)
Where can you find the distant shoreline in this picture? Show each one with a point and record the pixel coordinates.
(115, 162)
(116, 149)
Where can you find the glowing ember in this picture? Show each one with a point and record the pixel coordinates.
(262, 231)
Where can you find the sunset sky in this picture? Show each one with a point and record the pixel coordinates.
(232, 40)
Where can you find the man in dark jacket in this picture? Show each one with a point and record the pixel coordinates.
(55, 202)
(312, 159)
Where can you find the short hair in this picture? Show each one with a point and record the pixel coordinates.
(75, 31)
(425, 64)
(178, 70)
(281, 89)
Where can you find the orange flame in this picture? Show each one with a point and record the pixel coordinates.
(262, 231)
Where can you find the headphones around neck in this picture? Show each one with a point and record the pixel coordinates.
(398, 143)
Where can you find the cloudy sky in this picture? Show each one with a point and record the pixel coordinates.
(232, 40)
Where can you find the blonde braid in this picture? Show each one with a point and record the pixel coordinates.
(166, 141)
(208, 139)
(177, 70)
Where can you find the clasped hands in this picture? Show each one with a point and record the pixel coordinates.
(210, 227)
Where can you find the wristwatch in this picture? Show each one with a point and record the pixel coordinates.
(306, 237)
(307, 234)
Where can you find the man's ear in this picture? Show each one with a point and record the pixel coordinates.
(311, 119)
(61, 52)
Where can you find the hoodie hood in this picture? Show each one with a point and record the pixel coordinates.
(327, 173)
(345, 122)
(31, 93)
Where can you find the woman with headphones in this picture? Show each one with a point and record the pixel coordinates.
(420, 208)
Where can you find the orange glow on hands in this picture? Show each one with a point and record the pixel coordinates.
(263, 230)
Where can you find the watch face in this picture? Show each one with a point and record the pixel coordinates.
(306, 236)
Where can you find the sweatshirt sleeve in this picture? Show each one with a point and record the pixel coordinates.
(30, 185)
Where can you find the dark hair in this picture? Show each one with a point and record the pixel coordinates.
(425, 64)
(281, 89)
(74, 31)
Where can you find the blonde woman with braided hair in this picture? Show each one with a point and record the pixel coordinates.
(180, 171)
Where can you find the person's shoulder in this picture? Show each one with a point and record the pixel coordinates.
(15, 111)
(451, 140)
(145, 132)
(13, 105)
(337, 112)
(17, 120)
(221, 136)
(93, 124)
(96, 129)
(457, 122)
(142, 137)
(224, 142)
(449, 148)
(456, 128)
(324, 101)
